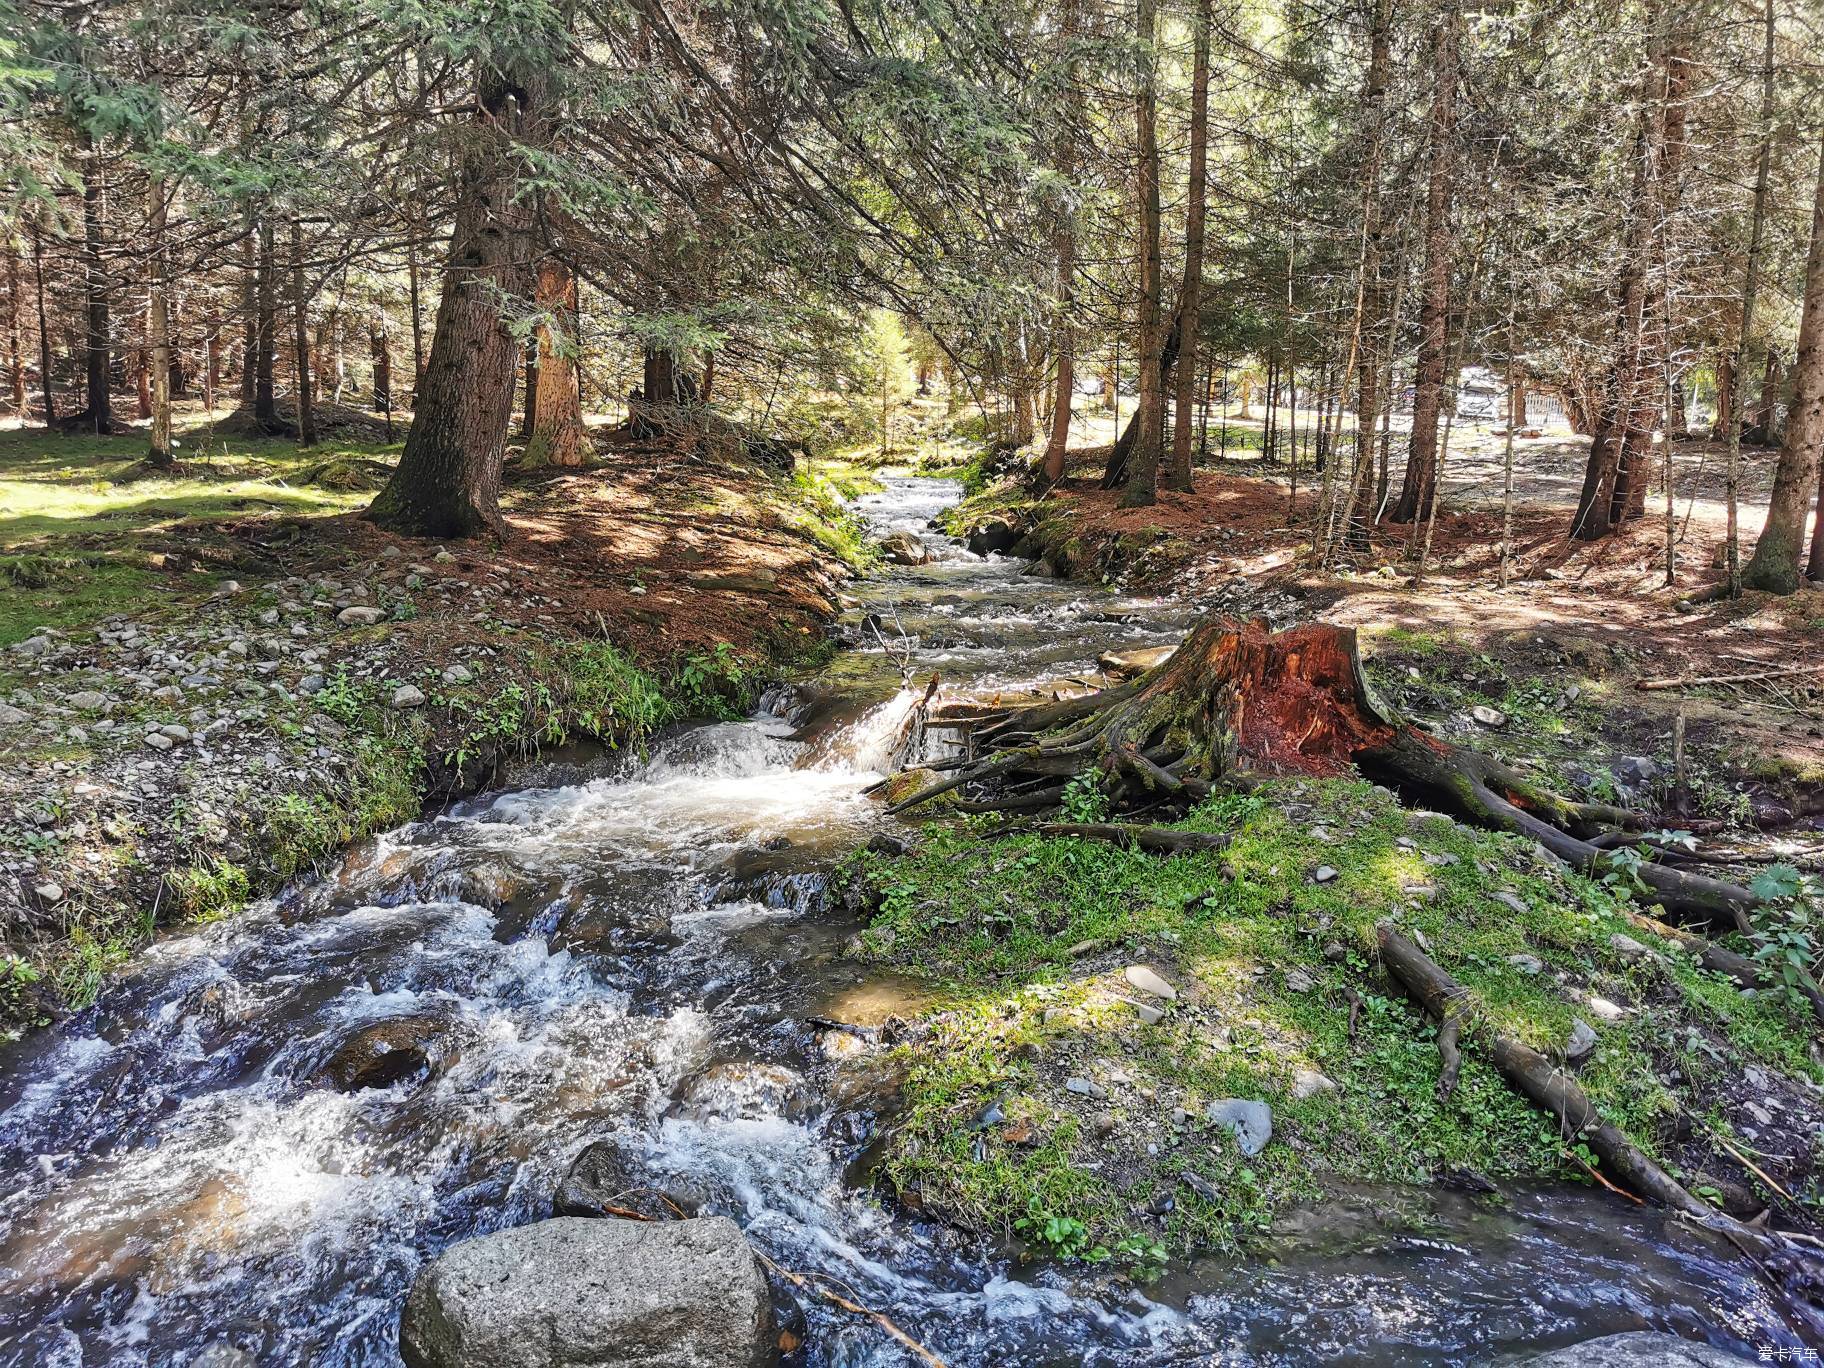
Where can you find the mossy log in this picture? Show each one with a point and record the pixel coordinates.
(1237, 701)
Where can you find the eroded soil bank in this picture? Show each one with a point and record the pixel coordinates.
(194, 713)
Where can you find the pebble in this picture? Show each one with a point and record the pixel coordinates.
(1512, 901)
(1487, 716)
(1629, 949)
(1527, 964)
(408, 696)
(175, 730)
(1251, 1122)
(1604, 1010)
(88, 700)
(11, 716)
(1299, 981)
(49, 892)
(1582, 1043)
(359, 616)
(159, 741)
(457, 674)
(1323, 874)
(1148, 981)
(1309, 1082)
(1082, 1087)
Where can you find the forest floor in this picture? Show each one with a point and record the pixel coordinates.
(211, 682)
(1112, 1024)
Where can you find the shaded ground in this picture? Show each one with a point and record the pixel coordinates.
(208, 683)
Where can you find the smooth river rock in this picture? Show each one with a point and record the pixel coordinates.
(1638, 1349)
(904, 548)
(577, 1293)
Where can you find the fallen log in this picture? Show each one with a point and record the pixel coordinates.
(1791, 1272)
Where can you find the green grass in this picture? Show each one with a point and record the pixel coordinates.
(76, 530)
(1267, 958)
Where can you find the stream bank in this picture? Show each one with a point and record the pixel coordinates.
(277, 688)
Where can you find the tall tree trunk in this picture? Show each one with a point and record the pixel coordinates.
(158, 315)
(266, 332)
(1143, 470)
(1064, 247)
(1359, 490)
(447, 483)
(1765, 427)
(300, 314)
(15, 333)
(1630, 496)
(1775, 563)
(557, 437)
(250, 312)
(99, 413)
(1190, 304)
(1419, 484)
(1626, 380)
(411, 276)
(528, 408)
(44, 330)
(212, 364)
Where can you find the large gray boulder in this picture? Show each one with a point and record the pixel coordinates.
(1638, 1349)
(577, 1293)
(904, 548)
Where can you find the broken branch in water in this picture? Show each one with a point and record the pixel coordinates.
(807, 1283)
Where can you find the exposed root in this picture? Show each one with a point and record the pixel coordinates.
(1237, 702)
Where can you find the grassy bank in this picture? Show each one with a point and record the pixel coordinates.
(1044, 1102)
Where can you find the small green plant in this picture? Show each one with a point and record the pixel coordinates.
(1786, 931)
(340, 698)
(713, 683)
(1063, 1237)
(208, 889)
(19, 979)
(1084, 800)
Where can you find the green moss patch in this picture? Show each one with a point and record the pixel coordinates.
(1044, 1090)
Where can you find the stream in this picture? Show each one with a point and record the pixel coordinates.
(632, 952)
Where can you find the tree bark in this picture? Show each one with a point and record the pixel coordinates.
(1419, 485)
(1143, 466)
(1775, 563)
(447, 483)
(250, 311)
(1625, 380)
(266, 332)
(158, 313)
(1064, 249)
(98, 416)
(15, 333)
(558, 437)
(1190, 304)
(300, 311)
(44, 331)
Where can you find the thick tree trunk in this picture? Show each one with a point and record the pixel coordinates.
(1143, 465)
(1115, 474)
(447, 483)
(380, 351)
(158, 323)
(300, 309)
(1775, 563)
(1190, 304)
(1419, 485)
(557, 437)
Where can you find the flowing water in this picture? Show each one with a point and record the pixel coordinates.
(634, 953)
